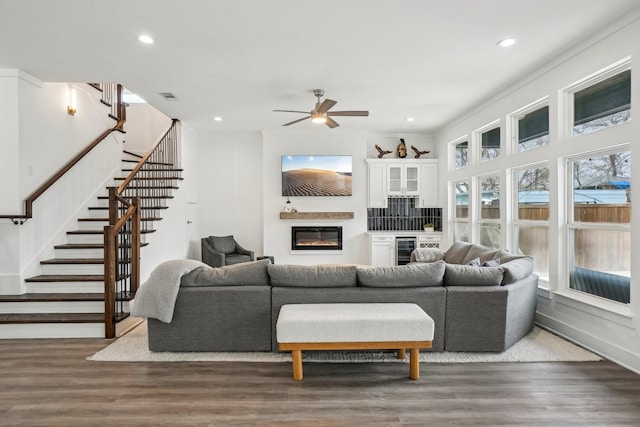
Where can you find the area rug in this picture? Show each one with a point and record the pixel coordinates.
(538, 346)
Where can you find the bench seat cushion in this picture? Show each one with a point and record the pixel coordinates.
(313, 323)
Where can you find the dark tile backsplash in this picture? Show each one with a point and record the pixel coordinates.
(402, 214)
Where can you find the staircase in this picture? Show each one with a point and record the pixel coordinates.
(68, 298)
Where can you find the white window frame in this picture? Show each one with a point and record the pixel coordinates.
(476, 138)
(512, 124)
(566, 99)
(517, 222)
(573, 225)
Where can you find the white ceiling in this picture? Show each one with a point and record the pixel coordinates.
(241, 59)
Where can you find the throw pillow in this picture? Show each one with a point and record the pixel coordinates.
(312, 276)
(427, 255)
(246, 273)
(467, 275)
(478, 251)
(456, 253)
(225, 244)
(402, 276)
(491, 263)
(516, 269)
(475, 262)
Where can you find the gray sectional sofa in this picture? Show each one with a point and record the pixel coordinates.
(480, 299)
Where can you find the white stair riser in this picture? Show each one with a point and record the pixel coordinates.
(72, 269)
(79, 253)
(93, 238)
(52, 307)
(52, 330)
(63, 287)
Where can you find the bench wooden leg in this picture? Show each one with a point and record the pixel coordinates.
(401, 353)
(296, 357)
(414, 363)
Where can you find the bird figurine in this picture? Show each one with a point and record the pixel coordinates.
(418, 152)
(402, 149)
(381, 152)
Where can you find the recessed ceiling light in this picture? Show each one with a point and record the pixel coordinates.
(146, 39)
(409, 119)
(217, 118)
(507, 42)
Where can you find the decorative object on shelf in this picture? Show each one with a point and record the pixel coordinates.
(418, 152)
(288, 207)
(381, 152)
(428, 228)
(402, 149)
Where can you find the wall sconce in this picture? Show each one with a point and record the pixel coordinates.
(72, 108)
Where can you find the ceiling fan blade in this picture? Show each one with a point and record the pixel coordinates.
(348, 113)
(331, 123)
(296, 121)
(291, 111)
(326, 105)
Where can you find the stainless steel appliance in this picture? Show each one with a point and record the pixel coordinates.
(404, 246)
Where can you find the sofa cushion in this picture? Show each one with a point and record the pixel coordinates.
(468, 275)
(483, 253)
(402, 276)
(247, 273)
(456, 252)
(516, 269)
(312, 276)
(427, 255)
(224, 244)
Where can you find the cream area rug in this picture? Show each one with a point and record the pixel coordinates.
(538, 346)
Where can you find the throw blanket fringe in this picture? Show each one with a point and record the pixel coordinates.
(156, 298)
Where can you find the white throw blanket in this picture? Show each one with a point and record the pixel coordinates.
(156, 297)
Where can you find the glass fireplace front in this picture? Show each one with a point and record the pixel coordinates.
(316, 238)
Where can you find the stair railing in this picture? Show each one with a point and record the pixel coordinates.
(145, 188)
(112, 97)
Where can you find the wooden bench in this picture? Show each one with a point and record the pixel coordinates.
(363, 326)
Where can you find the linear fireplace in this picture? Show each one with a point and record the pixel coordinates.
(316, 238)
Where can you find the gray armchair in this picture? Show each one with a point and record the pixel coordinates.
(221, 251)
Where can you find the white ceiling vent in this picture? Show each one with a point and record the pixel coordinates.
(168, 96)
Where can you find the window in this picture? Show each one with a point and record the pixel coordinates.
(489, 221)
(599, 224)
(461, 211)
(532, 129)
(531, 216)
(490, 141)
(602, 104)
(461, 158)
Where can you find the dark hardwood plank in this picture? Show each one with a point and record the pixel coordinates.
(49, 382)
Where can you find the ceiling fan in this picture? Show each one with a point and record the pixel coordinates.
(321, 113)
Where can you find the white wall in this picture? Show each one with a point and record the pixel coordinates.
(277, 232)
(147, 127)
(614, 331)
(171, 239)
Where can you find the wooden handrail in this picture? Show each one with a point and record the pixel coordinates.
(144, 159)
(71, 163)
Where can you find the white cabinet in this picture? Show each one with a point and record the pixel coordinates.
(428, 185)
(403, 179)
(377, 185)
(382, 250)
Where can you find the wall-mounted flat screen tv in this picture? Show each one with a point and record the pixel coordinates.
(316, 175)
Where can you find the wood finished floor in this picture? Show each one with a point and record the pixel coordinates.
(49, 383)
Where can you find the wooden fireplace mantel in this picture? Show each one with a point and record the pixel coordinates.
(316, 215)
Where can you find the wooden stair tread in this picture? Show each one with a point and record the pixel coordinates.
(66, 278)
(154, 169)
(142, 197)
(107, 219)
(103, 208)
(53, 297)
(73, 261)
(14, 318)
(151, 178)
(80, 232)
(85, 245)
(132, 154)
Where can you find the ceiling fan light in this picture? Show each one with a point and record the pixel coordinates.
(319, 118)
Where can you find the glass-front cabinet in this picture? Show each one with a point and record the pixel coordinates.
(403, 180)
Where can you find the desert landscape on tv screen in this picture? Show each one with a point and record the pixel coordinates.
(316, 175)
